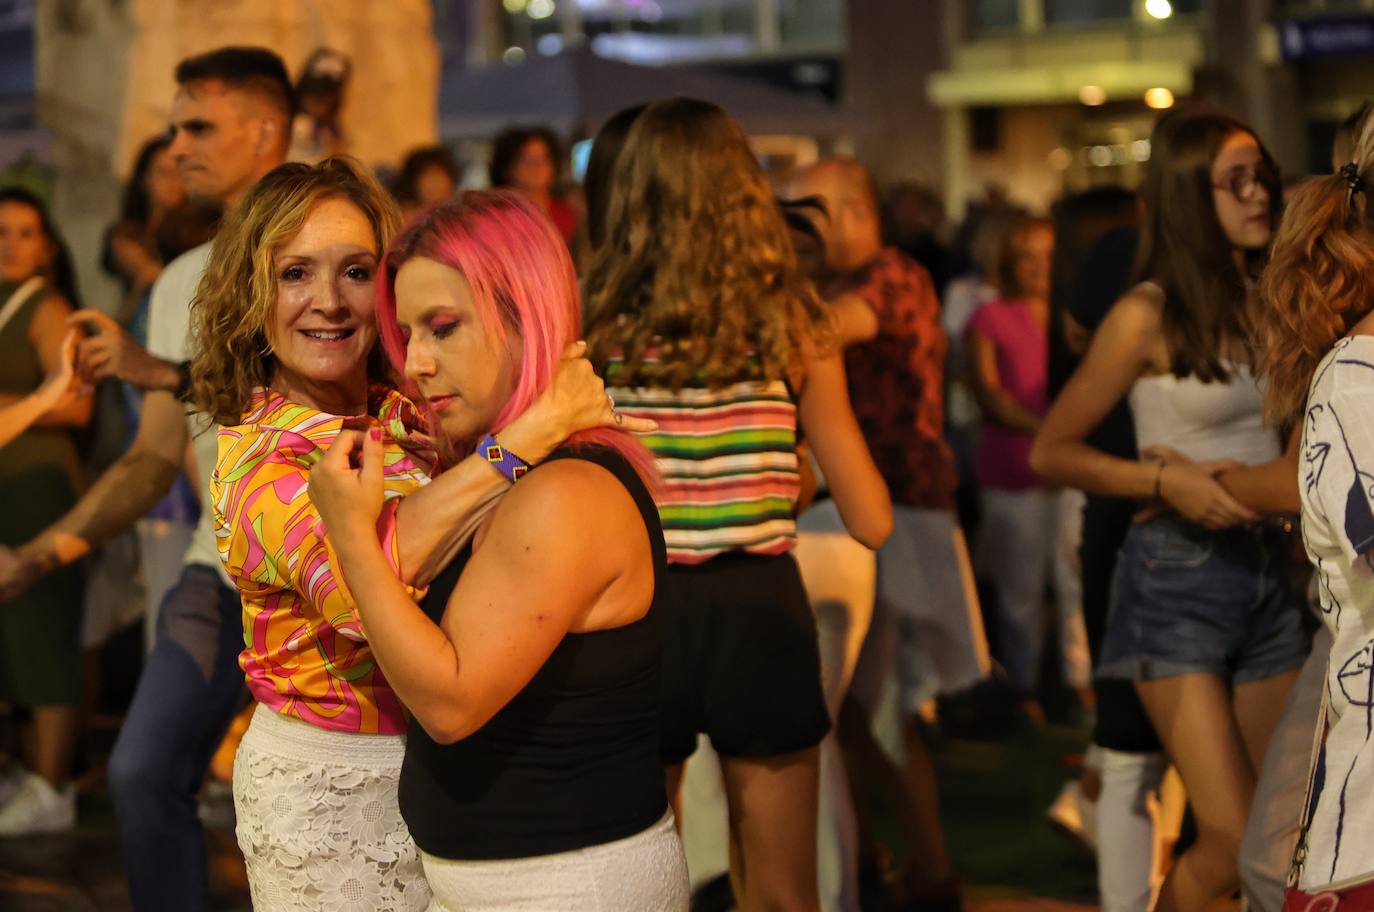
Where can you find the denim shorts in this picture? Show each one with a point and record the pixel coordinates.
(1186, 599)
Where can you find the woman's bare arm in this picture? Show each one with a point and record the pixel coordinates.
(996, 402)
(47, 333)
(538, 571)
(1271, 487)
(1124, 347)
(858, 489)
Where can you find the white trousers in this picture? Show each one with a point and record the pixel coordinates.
(1021, 550)
(641, 873)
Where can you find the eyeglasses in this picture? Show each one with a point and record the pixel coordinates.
(1245, 183)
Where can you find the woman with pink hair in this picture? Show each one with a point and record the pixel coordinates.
(289, 301)
(531, 777)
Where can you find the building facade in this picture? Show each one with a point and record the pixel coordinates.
(1042, 97)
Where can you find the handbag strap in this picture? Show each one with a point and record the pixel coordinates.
(1310, 804)
(17, 300)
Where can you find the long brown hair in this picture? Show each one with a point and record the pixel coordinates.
(1320, 277)
(696, 261)
(1185, 251)
(237, 296)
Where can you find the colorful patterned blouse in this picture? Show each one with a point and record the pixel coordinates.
(729, 462)
(304, 652)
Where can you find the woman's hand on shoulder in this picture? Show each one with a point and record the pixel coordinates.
(1124, 348)
(575, 400)
(347, 489)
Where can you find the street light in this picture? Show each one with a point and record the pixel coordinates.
(1159, 98)
(1159, 9)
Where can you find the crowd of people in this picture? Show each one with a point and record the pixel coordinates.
(515, 516)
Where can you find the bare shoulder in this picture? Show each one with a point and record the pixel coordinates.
(1141, 305)
(47, 325)
(1137, 320)
(53, 305)
(574, 496)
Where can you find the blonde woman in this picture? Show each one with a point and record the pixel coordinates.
(286, 356)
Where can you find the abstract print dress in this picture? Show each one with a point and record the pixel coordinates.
(315, 777)
(1337, 487)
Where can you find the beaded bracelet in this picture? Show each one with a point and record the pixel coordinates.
(502, 459)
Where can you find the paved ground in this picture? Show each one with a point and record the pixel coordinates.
(993, 796)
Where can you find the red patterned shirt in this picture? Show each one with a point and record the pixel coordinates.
(896, 381)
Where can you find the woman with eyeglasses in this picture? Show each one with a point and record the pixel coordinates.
(1202, 620)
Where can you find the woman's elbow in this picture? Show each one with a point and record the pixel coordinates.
(1041, 461)
(447, 726)
(875, 528)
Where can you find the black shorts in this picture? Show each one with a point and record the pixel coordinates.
(740, 659)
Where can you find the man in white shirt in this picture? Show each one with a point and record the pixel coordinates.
(231, 125)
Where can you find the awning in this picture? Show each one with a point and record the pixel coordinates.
(576, 91)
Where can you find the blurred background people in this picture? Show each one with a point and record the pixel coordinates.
(429, 175)
(131, 255)
(317, 131)
(530, 159)
(926, 634)
(1007, 345)
(40, 478)
(1109, 805)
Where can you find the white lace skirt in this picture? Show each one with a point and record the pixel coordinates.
(645, 872)
(318, 822)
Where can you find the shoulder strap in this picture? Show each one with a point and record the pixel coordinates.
(19, 298)
(1313, 790)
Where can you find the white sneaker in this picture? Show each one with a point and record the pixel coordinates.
(1075, 815)
(12, 774)
(38, 808)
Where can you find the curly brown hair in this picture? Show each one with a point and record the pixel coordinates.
(234, 304)
(1319, 281)
(697, 263)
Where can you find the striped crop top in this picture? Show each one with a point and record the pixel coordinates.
(728, 457)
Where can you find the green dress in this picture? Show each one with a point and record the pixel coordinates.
(40, 475)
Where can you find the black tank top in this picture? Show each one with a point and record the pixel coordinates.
(573, 759)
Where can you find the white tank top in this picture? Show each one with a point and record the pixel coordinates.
(1204, 421)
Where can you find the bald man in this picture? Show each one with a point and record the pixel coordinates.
(927, 625)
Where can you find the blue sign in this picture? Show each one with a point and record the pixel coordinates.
(1345, 36)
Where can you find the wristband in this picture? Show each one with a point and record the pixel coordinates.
(502, 459)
